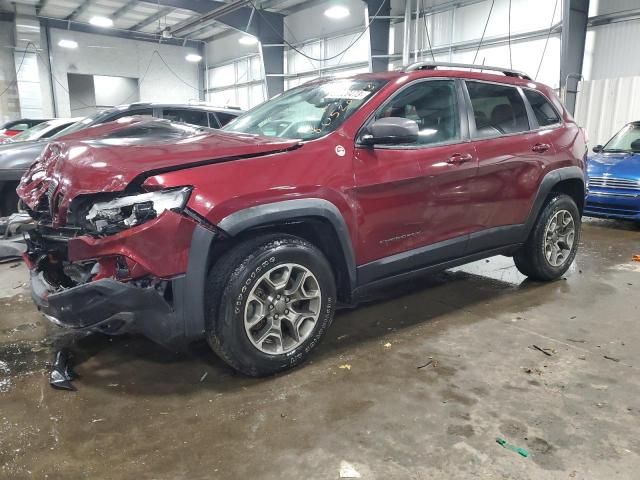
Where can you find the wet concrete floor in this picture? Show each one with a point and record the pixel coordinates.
(141, 412)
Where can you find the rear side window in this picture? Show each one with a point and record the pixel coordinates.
(192, 117)
(497, 109)
(544, 112)
(224, 117)
(432, 105)
(213, 121)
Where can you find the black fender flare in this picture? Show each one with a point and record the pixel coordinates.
(286, 210)
(549, 181)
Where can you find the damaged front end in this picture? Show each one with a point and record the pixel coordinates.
(114, 261)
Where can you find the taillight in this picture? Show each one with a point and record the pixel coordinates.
(11, 133)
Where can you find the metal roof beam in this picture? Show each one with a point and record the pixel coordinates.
(153, 18)
(124, 9)
(79, 10)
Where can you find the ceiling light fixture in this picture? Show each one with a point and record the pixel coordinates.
(192, 57)
(103, 22)
(248, 40)
(68, 43)
(337, 12)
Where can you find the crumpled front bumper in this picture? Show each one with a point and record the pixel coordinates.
(96, 304)
(168, 310)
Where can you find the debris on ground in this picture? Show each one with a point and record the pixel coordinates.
(430, 362)
(348, 471)
(636, 258)
(547, 351)
(613, 359)
(346, 366)
(387, 345)
(204, 375)
(576, 341)
(61, 374)
(502, 442)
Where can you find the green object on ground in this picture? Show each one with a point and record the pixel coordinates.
(513, 448)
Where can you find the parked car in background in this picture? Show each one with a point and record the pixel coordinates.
(41, 131)
(251, 235)
(15, 159)
(614, 176)
(15, 127)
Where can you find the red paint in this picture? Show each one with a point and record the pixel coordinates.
(392, 200)
(159, 247)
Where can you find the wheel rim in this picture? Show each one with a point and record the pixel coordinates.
(559, 237)
(282, 308)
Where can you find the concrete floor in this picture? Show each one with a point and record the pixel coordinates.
(141, 412)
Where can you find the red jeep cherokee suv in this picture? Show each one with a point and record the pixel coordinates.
(251, 235)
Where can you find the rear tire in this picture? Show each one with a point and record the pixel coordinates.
(269, 301)
(553, 242)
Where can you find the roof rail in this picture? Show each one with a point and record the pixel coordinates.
(433, 65)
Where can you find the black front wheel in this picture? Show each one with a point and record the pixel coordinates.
(269, 302)
(8, 199)
(553, 242)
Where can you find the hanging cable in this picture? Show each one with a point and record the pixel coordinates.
(15, 82)
(510, 59)
(293, 47)
(483, 32)
(426, 29)
(546, 42)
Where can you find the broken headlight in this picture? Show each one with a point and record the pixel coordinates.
(124, 212)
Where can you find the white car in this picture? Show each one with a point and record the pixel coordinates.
(42, 130)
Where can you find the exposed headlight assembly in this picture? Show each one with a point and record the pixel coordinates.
(125, 212)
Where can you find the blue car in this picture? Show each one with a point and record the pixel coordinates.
(614, 176)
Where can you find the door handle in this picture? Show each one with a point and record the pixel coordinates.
(459, 158)
(541, 147)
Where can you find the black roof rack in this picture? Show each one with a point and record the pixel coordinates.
(433, 65)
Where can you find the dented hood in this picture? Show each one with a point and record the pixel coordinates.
(110, 157)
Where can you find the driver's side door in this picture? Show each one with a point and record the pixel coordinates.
(413, 199)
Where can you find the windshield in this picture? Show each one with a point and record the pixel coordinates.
(307, 112)
(626, 140)
(31, 133)
(84, 123)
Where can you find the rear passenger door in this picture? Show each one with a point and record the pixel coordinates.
(511, 157)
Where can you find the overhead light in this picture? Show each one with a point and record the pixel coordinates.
(68, 43)
(248, 40)
(192, 57)
(103, 22)
(337, 12)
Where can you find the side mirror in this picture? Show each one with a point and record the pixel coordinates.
(598, 149)
(391, 131)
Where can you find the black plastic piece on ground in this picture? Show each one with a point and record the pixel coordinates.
(61, 373)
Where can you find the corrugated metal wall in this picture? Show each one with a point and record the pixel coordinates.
(612, 50)
(604, 106)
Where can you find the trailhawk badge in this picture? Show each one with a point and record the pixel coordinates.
(340, 151)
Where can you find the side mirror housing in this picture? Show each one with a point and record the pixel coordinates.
(598, 149)
(391, 131)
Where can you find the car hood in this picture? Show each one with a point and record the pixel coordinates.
(110, 158)
(617, 165)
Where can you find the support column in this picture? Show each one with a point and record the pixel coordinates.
(269, 28)
(574, 32)
(379, 34)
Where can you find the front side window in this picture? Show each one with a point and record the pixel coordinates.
(626, 140)
(224, 117)
(432, 105)
(497, 109)
(309, 111)
(542, 109)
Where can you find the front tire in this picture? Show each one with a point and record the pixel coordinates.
(269, 302)
(553, 242)
(8, 199)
